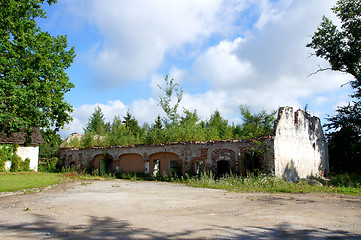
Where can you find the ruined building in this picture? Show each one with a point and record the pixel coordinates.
(297, 149)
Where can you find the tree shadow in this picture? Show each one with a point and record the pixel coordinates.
(285, 231)
(108, 228)
(290, 173)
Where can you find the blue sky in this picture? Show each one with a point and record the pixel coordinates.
(223, 53)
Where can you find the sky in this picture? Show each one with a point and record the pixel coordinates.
(224, 53)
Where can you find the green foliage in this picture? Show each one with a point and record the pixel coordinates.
(48, 165)
(341, 47)
(343, 184)
(345, 180)
(32, 70)
(186, 129)
(344, 148)
(96, 123)
(176, 128)
(51, 144)
(6, 154)
(218, 127)
(131, 124)
(256, 125)
(26, 180)
(165, 102)
(25, 165)
(90, 139)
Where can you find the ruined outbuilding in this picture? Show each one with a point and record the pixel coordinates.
(297, 149)
(24, 150)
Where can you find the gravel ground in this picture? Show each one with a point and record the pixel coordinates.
(119, 209)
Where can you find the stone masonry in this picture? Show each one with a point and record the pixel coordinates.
(297, 149)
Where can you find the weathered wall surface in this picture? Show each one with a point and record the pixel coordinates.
(186, 154)
(31, 152)
(300, 148)
(297, 149)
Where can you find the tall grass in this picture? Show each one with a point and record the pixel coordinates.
(273, 184)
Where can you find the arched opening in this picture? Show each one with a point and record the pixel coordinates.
(224, 160)
(222, 167)
(253, 162)
(103, 162)
(131, 163)
(165, 163)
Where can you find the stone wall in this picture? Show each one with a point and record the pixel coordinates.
(300, 148)
(209, 153)
(297, 149)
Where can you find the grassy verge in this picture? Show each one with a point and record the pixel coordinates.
(14, 181)
(27, 180)
(343, 184)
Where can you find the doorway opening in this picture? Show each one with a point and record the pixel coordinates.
(222, 167)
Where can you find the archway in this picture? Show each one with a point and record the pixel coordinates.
(222, 167)
(165, 163)
(131, 163)
(103, 162)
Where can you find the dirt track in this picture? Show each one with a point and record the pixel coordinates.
(131, 210)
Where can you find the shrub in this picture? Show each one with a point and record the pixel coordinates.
(15, 163)
(48, 165)
(6, 154)
(25, 165)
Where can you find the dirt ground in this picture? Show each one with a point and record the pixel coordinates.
(119, 209)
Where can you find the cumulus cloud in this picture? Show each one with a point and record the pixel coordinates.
(137, 34)
(235, 52)
(269, 66)
(81, 115)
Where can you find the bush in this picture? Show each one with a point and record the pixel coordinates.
(25, 165)
(15, 163)
(48, 165)
(6, 154)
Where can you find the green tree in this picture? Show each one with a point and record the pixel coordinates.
(32, 70)
(218, 127)
(96, 122)
(132, 124)
(156, 133)
(158, 123)
(341, 47)
(167, 102)
(50, 147)
(189, 128)
(120, 135)
(256, 125)
(344, 147)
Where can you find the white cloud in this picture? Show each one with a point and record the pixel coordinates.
(269, 66)
(137, 34)
(257, 57)
(81, 115)
(220, 65)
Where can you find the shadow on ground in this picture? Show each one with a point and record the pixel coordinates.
(109, 228)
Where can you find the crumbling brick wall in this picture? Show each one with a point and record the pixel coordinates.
(297, 149)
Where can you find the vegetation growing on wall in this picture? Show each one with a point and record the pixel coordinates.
(8, 153)
(175, 127)
(188, 128)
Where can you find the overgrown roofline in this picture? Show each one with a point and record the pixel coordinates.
(20, 137)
